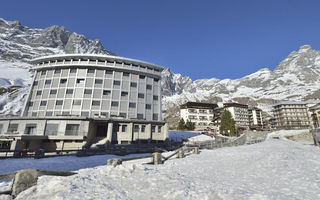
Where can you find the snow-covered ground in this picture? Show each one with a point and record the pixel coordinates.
(274, 169)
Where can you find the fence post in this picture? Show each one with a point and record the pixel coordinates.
(156, 158)
(196, 150)
(180, 153)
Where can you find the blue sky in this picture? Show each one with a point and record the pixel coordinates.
(200, 39)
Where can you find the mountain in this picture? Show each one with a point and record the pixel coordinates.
(297, 77)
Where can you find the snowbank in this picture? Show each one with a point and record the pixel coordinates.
(200, 138)
(283, 133)
(274, 169)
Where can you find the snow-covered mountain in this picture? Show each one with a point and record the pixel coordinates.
(296, 77)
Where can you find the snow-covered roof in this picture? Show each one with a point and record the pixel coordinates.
(311, 101)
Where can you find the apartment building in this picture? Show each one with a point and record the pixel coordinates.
(79, 99)
(200, 114)
(239, 113)
(291, 115)
(255, 118)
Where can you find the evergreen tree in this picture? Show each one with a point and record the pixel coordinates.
(227, 123)
(189, 125)
(181, 124)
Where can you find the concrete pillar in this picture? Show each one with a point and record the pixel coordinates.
(180, 153)
(130, 131)
(148, 131)
(109, 133)
(196, 150)
(114, 162)
(23, 180)
(156, 158)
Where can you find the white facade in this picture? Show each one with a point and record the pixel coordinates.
(239, 113)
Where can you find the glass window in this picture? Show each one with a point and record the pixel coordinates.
(49, 113)
(43, 72)
(116, 82)
(114, 103)
(109, 72)
(96, 103)
(132, 105)
(155, 117)
(59, 102)
(62, 81)
(91, 71)
(57, 71)
(47, 82)
(143, 128)
(87, 91)
(30, 129)
(34, 114)
(85, 114)
(133, 84)
(159, 129)
(13, 127)
(124, 115)
(125, 74)
(39, 92)
(124, 94)
(140, 116)
(148, 106)
(69, 91)
(77, 102)
(73, 71)
(98, 81)
(142, 76)
(155, 97)
(30, 103)
(43, 103)
(149, 87)
(124, 128)
(80, 80)
(72, 129)
(136, 128)
(156, 80)
(35, 83)
(140, 95)
(106, 92)
(153, 129)
(53, 91)
(51, 129)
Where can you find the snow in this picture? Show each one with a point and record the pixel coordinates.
(274, 169)
(200, 138)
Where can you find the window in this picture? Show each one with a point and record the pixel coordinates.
(124, 94)
(109, 72)
(30, 129)
(80, 80)
(87, 91)
(62, 81)
(85, 114)
(142, 76)
(140, 95)
(49, 113)
(35, 83)
(34, 114)
(39, 92)
(133, 84)
(13, 127)
(136, 128)
(124, 115)
(59, 102)
(114, 103)
(155, 117)
(77, 102)
(148, 106)
(69, 91)
(47, 82)
(153, 129)
(149, 87)
(43, 72)
(90, 71)
(124, 128)
(30, 103)
(98, 81)
(96, 103)
(156, 80)
(143, 128)
(106, 92)
(155, 97)
(51, 129)
(53, 91)
(43, 103)
(72, 71)
(116, 82)
(159, 129)
(125, 74)
(72, 129)
(140, 116)
(132, 105)
(57, 71)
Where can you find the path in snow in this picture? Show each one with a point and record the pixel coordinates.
(275, 169)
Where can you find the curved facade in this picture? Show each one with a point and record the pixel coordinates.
(95, 86)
